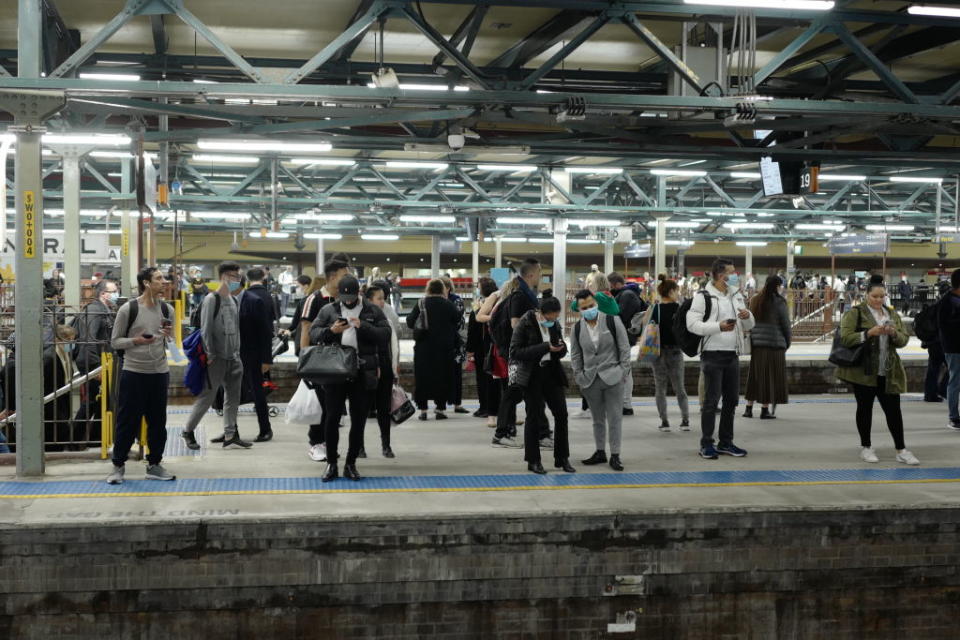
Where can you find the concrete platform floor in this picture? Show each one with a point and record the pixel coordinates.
(812, 433)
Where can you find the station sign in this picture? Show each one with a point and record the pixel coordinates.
(93, 248)
(635, 250)
(859, 243)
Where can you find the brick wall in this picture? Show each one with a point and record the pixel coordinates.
(798, 574)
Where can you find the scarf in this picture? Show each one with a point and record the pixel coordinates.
(530, 293)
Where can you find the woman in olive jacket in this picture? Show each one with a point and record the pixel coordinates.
(880, 373)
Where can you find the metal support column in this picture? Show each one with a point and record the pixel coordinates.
(608, 255)
(790, 269)
(681, 263)
(71, 228)
(434, 256)
(130, 233)
(476, 263)
(748, 262)
(498, 259)
(559, 284)
(320, 257)
(660, 245)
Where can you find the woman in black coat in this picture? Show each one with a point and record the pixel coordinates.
(434, 350)
(478, 346)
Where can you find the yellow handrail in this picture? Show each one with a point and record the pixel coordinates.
(106, 416)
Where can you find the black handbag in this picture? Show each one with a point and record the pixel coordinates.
(421, 325)
(844, 356)
(328, 364)
(403, 412)
(518, 373)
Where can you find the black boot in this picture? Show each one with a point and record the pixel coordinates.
(264, 437)
(362, 454)
(565, 465)
(748, 412)
(331, 472)
(615, 462)
(599, 457)
(388, 452)
(350, 471)
(766, 415)
(536, 467)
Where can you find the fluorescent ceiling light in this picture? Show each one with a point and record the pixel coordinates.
(595, 170)
(380, 236)
(325, 217)
(462, 239)
(541, 240)
(323, 236)
(403, 164)
(690, 173)
(118, 77)
(748, 175)
(87, 213)
(827, 177)
(679, 243)
(722, 214)
(690, 164)
(751, 243)
(947, 230)
(105, 140)
(326, 162)
(943, 12)
(748, 225)
(532, 221)
(123, 155)
(889, 227)
(428, 218)
(678, 224)
(802, 5)
(818, 227)
(203, 157)
(701, 220)
(208, 144)
(423, 87)
(525, 168)
(452, 185)
(272, 235)
(97, 232)
(221, 215)
(513, 239)
(916, 179)
(594, 222)
(582, 241)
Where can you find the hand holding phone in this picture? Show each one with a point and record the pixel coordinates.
(728, 324)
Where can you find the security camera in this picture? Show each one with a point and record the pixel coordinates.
(456, 141)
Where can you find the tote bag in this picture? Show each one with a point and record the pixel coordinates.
(650, 339)
(328, 364)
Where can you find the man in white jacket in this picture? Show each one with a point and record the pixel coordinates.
(723, 332)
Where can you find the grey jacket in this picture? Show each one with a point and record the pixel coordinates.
(220, 331)
(603, 360)
(773, 332)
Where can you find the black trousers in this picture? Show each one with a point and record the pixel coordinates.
(253, 379)
(336, 394)
(507, 415)
(721, 379)
(141, 395)
(935, 383)
(317, 433)
(89, 414)
(384, 394)
(542, 391)
(889, 402)
(488, 389)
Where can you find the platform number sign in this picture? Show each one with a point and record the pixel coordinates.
(809, 180)
(29, 225)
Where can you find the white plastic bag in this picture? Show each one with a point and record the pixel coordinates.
(304, 407)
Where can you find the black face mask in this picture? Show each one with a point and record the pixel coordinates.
(351, 306)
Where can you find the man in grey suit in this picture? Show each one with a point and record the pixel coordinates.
(600, 356)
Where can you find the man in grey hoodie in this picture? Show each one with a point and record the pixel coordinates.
(220, 332)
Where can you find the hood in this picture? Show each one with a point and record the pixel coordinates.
(712, 290)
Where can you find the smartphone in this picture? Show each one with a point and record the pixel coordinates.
(166, 323)
(147, 335)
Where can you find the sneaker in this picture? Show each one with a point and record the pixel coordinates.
(907, 458)
(191, 440)
(685, 425)
(709, 453)
(116, 476)
(731, 450)
(318, 452)
(954, 424)
(628, 411)
(867, 454)
(507, 442)
(664, 427)
(157, 472)
(546, 443)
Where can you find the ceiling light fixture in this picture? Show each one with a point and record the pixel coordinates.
(889, 227)
(116, 77)
(942, 12)
(531, 221)
(827, 177)
(748, 225)
(689, 173)
(746, 175)
(214, 159)
(925, 179)
(276, 146)
(751, 243)
(611, 171)
(270, 235)
(512, 239)
(800, 5)
(525, 168)
(594, 222)
(582, 241)
(403, 164)
(325, 217)
(678, 224)
(325, 162)
(100, 140)
(428, 218)
(379, 236)
(221, 215)
(323, 236)
(679, 243)
(818, 227)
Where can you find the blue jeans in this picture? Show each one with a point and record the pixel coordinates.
(3, 444)
(953, 385)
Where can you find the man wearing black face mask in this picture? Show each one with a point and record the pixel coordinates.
(351, 322)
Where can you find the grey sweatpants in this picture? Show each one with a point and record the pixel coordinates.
(229, 375)
(628, 388)
(606, 407)
(668, 369)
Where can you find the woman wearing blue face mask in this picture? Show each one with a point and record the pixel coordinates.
(535, 352)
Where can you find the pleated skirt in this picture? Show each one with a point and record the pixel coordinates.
(767, 376)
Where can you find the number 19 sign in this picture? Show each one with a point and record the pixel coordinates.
(29, 228)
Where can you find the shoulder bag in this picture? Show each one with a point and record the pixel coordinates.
(422, 324)
(328, 364)
(844, 356)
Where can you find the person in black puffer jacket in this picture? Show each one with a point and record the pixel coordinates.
(769, 341)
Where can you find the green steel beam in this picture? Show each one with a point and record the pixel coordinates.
(777, 61)
(666, 54)
(564, 52)
(876, 65)
(226, 50)
(130, 10)
(441, 43)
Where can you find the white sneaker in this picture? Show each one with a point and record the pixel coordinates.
(509, 443)
(116, 476)
(907, 458)
(869, 455)
(546, 443)
(318, 452)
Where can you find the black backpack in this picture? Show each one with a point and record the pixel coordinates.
(689, 342)
(925, 324)
(500, 329)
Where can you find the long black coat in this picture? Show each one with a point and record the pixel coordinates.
(434, 354)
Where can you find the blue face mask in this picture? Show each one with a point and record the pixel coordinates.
(733, 281)
(114, 297)
(68, 346)
(591, 314)
(547, 323)
(234, 286)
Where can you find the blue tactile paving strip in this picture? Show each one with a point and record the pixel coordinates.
(524, 482)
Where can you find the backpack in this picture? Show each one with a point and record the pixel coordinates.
(500, 329)
(195, 314)
(925, 324)
(134, 310)
(195, 376)
(611, 326)
(689, 342)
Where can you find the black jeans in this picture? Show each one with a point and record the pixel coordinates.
(542, 391)
(336, 394)
(457, 399)
(89, 413)
(141, 395)
(721, 379)
(317, 434)
(935, 383)
(253, 378)
(889, 402)
(384, 395)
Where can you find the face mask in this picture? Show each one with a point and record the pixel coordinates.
(547, 323)
(114, 297)
(590, 314)
(733, 281)
(351, 306)
(68, 347)
(234, 286)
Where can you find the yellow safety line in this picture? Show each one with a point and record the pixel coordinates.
(239, 492)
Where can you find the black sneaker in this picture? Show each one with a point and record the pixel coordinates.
(954, 424)
(628, 412)
(191, 440)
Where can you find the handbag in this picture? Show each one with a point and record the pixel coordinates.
(328, 364)
(304, 407)
(422, 324)
(397, 397)
(495, 364)
(650, 340)
(401, 407)
(518, 373)
(844, 356)
(470, 366)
